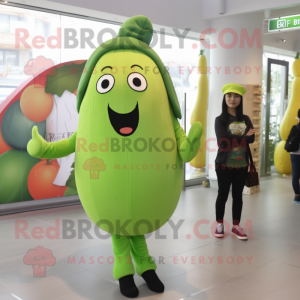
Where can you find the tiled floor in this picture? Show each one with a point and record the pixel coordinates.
(265, 267)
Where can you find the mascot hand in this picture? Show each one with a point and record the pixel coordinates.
(190, 147)
(195, 132)
(36, 145)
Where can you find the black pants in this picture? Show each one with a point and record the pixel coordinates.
(226, 177)
(295, 159)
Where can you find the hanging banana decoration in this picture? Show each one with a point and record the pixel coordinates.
(200, 110)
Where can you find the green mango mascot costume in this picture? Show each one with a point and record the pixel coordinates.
(129, 148)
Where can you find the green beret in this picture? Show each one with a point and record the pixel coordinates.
(136, 34)
(233, 88)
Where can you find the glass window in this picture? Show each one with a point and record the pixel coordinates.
(1, 58)
(81, 37)
(67, 38)
(4, 23)
(11, 58)
(278, 105)
(19, 47)
(15, 22)
(42, 28)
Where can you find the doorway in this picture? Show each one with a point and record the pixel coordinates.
(276, 102)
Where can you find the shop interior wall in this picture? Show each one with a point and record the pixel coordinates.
(168, 13)
(234, 7)
(292, 40)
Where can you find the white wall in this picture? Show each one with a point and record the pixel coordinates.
(173, 13)
(167, 13)
(233, 7)
(272, 40)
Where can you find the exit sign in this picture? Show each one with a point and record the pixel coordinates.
(284, 23)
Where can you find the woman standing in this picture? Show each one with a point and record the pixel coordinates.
(234, 132)
(293, 142)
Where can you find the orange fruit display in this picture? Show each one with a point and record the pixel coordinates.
(40, 180)
(35, 104)
(3, 145)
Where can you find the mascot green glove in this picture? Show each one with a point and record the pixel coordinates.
(129, 148)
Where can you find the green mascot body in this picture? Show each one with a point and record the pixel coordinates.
(148, 183)
(129, 147)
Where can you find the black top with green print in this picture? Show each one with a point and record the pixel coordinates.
(236, 156)
(231, 134)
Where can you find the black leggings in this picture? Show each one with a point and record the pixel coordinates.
(295, 159)
(226, 177)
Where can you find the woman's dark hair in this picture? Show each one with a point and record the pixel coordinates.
(239, 111)
(299, 113)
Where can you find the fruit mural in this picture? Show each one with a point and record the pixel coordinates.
(282, 159)
(200, 111)
(40, 180)
(47, 101)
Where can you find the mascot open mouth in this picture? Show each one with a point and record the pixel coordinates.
(124, 124)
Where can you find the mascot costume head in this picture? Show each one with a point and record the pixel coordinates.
(129, 147)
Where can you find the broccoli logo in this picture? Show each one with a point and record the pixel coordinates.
(39, 258)
(94, 165)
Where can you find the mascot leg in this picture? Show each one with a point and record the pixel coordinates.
(145, 266)
(123, 266)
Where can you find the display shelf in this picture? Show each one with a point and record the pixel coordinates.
(252, 108)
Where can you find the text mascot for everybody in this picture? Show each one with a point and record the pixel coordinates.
(129, 148)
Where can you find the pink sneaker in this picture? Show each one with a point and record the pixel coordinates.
(239, 232)
(219, 230)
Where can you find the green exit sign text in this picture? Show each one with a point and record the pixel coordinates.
(284, 23)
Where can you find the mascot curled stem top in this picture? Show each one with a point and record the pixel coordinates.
(129, 147)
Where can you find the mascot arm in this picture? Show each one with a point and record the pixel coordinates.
(38, 147)
(187, 146)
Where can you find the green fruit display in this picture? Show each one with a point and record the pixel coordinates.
(63, 79)
(16, 128)
(70, 192)
(71, 182)
(14, 170)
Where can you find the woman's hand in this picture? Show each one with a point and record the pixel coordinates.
(250, 132)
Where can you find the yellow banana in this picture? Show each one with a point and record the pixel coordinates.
(282, 159)
(200, 111)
